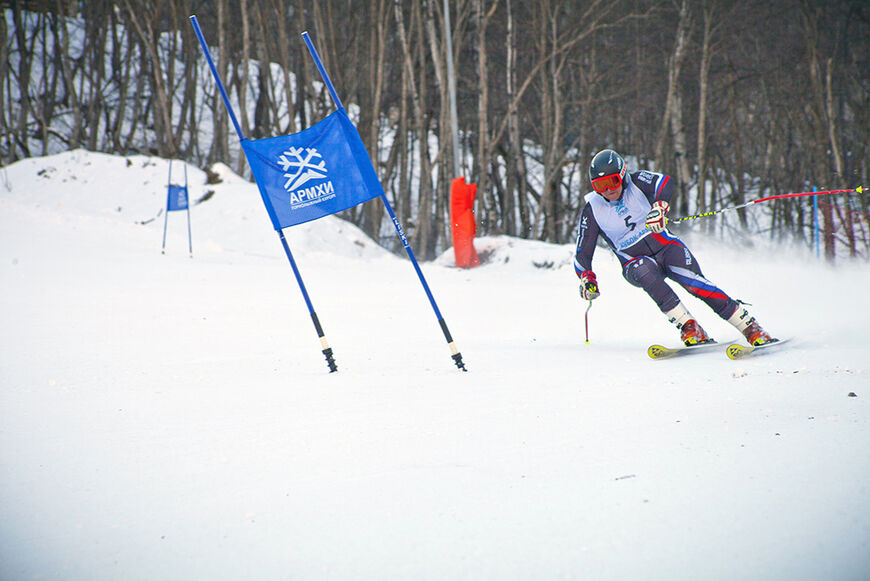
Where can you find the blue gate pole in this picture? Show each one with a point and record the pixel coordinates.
(187, 195)
(327, 350)
(166, 210)
(455, 354)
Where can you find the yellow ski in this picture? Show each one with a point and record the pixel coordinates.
(662, 352)
(739, 351)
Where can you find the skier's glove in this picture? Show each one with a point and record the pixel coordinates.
(657, 219)
(588, 286)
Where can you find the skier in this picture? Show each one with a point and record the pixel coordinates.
(630, 212)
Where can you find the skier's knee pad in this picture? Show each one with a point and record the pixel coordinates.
(643, 272)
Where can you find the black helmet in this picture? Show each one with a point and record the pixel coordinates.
(606, 163)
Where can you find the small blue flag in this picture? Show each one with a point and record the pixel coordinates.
(314, 173)
(176, 198)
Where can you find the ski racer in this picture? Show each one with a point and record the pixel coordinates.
(630, 212)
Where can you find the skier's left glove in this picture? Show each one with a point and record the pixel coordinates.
(657, 218)
(588, 286)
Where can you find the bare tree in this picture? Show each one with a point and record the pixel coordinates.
(371, 101)
(220, 149)
(810, 17)
(489, 220)
(779, 91)
(711, 25)
(422, 233)
(144, 15)
(445, 170)
(515, 198)
(5, 130)
(672, 118)
(25, 60)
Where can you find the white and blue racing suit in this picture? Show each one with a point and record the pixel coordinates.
(647, 258)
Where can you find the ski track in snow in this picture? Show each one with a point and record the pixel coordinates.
(167, 417)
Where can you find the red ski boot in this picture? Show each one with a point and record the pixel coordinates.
(691, 333)
(755, 335)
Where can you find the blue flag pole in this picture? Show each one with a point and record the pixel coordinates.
(327, 350)
(187, 195)
(166, 210)
(455, 354)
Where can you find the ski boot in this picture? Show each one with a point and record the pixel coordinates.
(755, 335)
(750, 328)
(691, 333)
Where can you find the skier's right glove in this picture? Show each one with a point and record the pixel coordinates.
(657, 218)
(588, 286)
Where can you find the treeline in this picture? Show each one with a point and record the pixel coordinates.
(735, 100)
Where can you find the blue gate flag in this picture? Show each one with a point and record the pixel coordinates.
(176, 198)
(314, 173)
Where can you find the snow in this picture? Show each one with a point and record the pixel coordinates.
(168, 417)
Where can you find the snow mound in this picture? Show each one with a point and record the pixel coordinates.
(226, 215)
(515, 253)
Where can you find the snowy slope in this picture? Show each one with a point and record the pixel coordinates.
(167, 417)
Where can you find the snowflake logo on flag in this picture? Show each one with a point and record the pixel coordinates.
(300, 165)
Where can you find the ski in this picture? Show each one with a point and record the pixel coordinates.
(662, 352)
(739, 351)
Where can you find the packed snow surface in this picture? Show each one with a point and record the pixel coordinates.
(168, 417)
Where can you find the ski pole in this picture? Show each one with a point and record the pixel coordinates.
(859, 189)
(587, 322)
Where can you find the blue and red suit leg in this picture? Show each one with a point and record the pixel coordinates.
(681, 266)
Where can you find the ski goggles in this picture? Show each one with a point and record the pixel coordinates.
(605, 183)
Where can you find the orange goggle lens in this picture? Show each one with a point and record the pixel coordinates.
(605, 183)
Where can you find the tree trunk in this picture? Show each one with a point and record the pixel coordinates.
(737, 147)
(404, 129)
(278, 11)
(681, 152)
(25, 60)
(137, 115)
(703, 88)
(122, 65)
(186, 122)
(219, 150)
(95, 32)
(70, 91)
(810, 14)
(552, 127)
(838, 158)
(147, 27)
(515, 195)
(4, 74)
(241, 74)
(424, 210)
(487, 210)
(672, 103)
(445, 137)
(370, 105)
